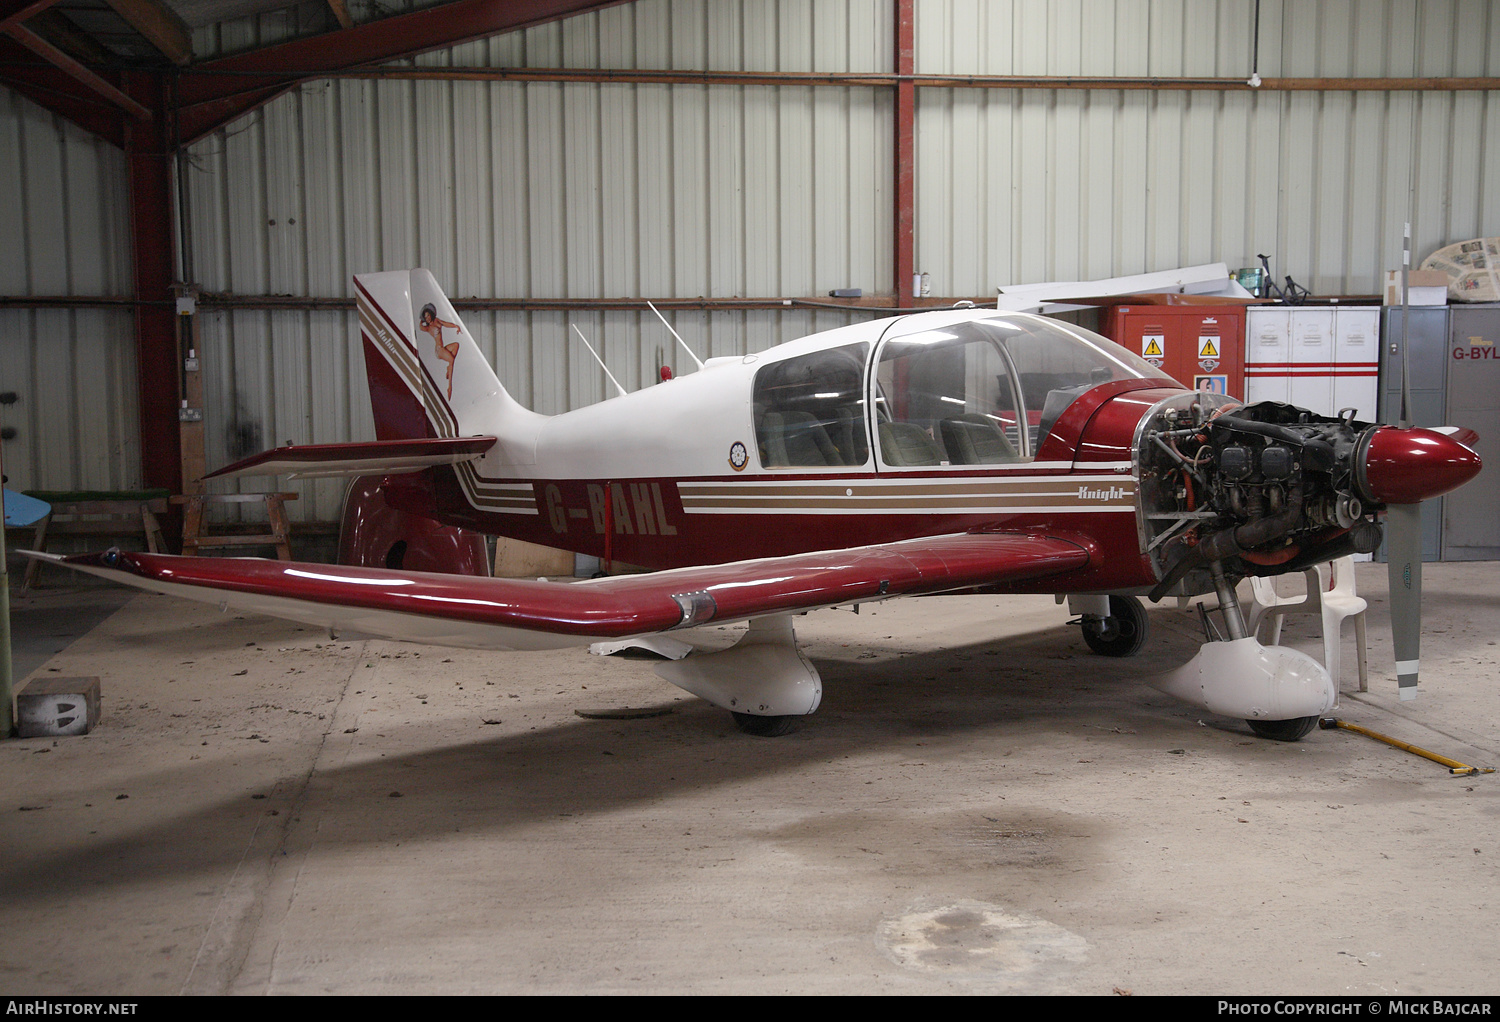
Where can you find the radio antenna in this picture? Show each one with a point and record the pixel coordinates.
(589, 346)
(675, 334)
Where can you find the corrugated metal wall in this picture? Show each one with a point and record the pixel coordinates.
(582, 190)
(1016, 186)
(64, 216)
(546, 190)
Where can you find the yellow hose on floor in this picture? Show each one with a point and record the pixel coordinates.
(1453, 765)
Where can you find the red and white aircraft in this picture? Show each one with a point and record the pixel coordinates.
(959, 451)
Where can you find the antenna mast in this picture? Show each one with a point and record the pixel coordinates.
(589, 346)
(674, 333)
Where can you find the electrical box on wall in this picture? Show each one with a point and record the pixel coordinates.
(1200, 346)
(1321, 359)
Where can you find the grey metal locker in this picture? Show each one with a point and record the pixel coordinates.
(1471, 515)
(1427, 338)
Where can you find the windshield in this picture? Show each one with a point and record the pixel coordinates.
(986, 392)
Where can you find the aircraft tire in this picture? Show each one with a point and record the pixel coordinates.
(763, 726)
(1283, 730)
(1124, 631)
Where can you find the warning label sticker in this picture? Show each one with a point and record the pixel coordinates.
(1152, 345)
(1208, 346)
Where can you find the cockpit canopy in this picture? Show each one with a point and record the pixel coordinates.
(972, 391)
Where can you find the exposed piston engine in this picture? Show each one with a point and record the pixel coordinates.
(1269, 488)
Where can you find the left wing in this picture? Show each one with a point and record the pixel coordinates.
(501, 613)
(368, 457)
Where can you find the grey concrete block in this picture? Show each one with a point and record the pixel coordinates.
(58, 706)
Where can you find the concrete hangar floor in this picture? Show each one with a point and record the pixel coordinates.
(980, 805)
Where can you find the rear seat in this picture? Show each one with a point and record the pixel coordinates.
(796, 438)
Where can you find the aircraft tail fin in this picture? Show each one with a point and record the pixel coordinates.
(427, 376)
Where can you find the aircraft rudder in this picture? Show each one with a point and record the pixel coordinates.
(392, 368)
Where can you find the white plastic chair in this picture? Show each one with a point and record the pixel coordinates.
(1336, 594)
(1268, 603)
(1330, 594)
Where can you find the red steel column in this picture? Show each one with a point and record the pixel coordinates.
(906, 149)
(148, 158)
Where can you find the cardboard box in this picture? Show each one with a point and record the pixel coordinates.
(1428, 287)
(52, 707)
(515, 558)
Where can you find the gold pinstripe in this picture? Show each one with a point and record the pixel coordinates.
(1046, 493)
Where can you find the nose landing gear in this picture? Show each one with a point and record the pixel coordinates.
(1279, 692)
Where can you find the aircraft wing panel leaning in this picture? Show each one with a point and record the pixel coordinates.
(379, 457)
(498, 613)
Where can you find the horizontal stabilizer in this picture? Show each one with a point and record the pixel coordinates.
(503, 613)
(378, 457)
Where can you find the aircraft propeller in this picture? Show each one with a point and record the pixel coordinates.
(1404, 531)
(1404, 564)
(1402, 467)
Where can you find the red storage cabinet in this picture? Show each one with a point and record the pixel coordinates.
(1200, 346)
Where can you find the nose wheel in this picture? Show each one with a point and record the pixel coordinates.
(1122, 633)
(768, 726)
(1283, 730)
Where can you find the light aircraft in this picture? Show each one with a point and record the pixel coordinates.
(963, 451)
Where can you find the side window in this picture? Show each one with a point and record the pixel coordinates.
(944, 398)
(1054, 374)
(810, 410)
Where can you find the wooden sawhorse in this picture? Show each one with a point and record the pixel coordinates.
(123, 515)
(195, 534)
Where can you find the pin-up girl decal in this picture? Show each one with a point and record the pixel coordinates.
(429, 323)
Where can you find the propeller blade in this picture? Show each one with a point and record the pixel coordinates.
(1404, 553)
(1400, 468)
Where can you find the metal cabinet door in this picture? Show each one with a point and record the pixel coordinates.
(1356, 354)
(1267, 354)
(1312, 360)
(1471, 521)
(1427, 333)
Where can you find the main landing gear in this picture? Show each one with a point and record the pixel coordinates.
(1121, 632)
(765, 683)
